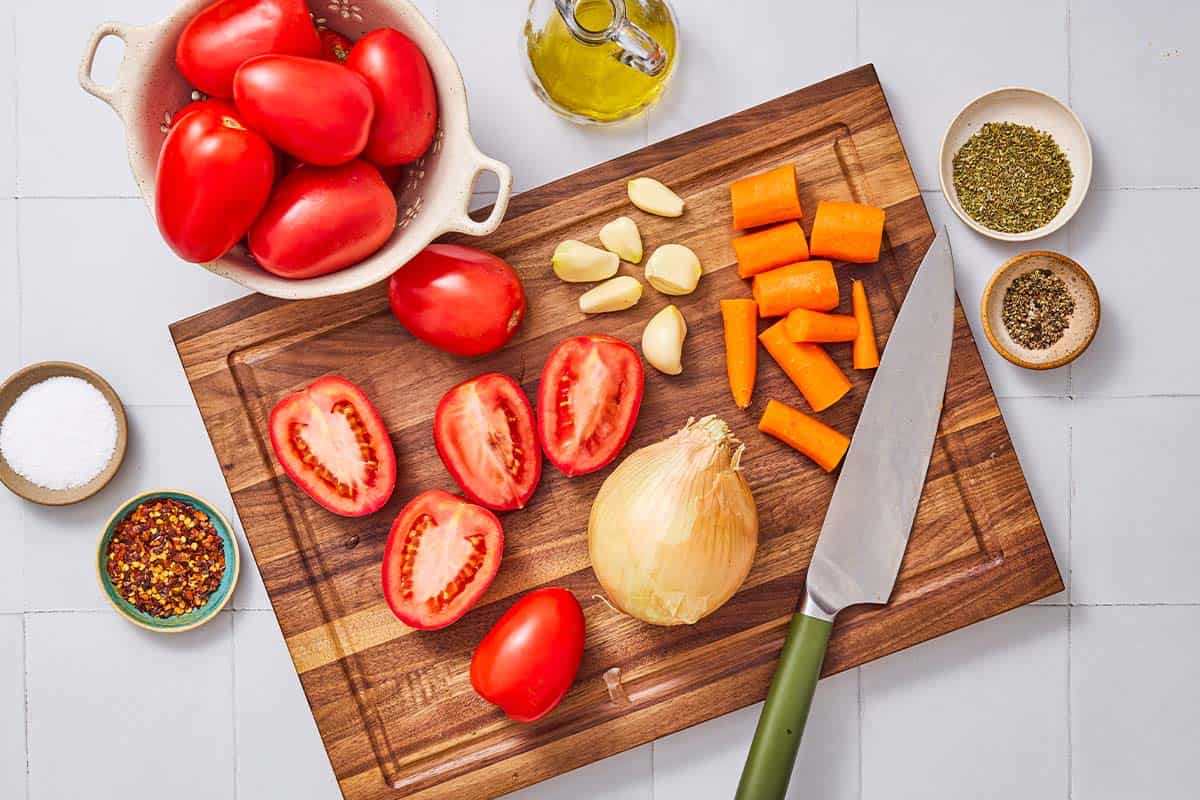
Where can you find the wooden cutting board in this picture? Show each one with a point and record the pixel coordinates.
(395, 707)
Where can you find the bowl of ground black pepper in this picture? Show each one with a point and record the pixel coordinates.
(1015, 164)
(167, 561)
(1040, 310)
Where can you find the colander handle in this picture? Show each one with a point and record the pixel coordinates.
(105, 93)
(482, 163)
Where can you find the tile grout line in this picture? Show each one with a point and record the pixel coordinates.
(25, 692)
(15, 87)
(1068, 34)
(857, 32)
(233, 694)
(1070, 722)
(861, 769)
(1070, 582)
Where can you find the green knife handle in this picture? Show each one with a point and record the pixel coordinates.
(777, 738)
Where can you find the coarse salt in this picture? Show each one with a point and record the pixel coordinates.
(59, 433)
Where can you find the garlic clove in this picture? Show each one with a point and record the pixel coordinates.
(662, 341)
(615, 294)
(576, 262)
(673, 269)
(621, 236)
(654, 198)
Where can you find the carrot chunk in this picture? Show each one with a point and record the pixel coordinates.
(847, 232)
(809, 284)
(773, 247)
(866, 352)
(741, 347)
(814, 326)
(808, 366)
(764, 198)
(812, 437)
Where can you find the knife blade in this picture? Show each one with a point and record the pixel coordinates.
(870, 516)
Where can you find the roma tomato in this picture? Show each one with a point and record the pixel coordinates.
(528, 660)
(458, 299)
(229, 32)
(321, 219)
(405, 98)
(588, 402)
(334, 46)
(483, 429)
(213, 178)
(317, 111)
(331, 441)
(441, 554)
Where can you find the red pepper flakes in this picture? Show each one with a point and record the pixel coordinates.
(166, 557)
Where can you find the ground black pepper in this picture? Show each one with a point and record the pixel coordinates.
(1037, 309)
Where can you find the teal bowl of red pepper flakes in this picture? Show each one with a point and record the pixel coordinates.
(167, 561)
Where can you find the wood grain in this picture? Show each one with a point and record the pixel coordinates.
(394, 706)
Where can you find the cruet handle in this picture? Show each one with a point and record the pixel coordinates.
(637, 48)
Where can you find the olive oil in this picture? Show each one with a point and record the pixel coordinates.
(588, 81)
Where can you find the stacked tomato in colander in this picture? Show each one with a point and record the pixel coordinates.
(299, 143)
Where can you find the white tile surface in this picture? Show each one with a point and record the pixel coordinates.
(167, 449)
(12, 589)
(976, 257)
(1041, 432)
(979, 713)
(1135, 702)
(705, 762)
(626, 776)
(718, 74)
(69, 143)
(1143, 53)
(279, 753)
(12, 706)
(103, 692)
(12, 540)
(8, 105)
(935, 56)
(1137, 246)
(99, 287)
(507, 120)
(1134, 522)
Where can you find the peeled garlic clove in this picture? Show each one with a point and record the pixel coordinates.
(662, 341)
(576, 262)
(673, 269)
(652, 197)
(621, 236)
(616, 294)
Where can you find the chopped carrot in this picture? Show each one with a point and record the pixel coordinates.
(866, 352)
(809, 284)
(814, 326)
(766, 249)
(764, 198)
(812, 437)
(848, 232)
(741, 348)
(808, 365)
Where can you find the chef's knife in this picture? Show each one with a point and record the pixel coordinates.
(870, 516)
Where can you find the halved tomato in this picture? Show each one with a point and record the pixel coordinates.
(483, 429)
(333, 444)
(441, 555)
(588, 402)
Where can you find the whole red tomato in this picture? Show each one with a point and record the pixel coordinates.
(458, 299)
(321, 219)
(315, 110)
(214, 177)
(528, 660)
(334, 46)
(225, 34)
(405, 98)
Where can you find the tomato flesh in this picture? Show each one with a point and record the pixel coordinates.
(458, 299)
(332, 442)
(528, 660)
(484, 433)
(588, 402)
(441, 555)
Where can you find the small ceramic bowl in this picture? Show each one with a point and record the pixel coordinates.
(1024, 107)
(34, 374)
(216, 601)
(1084, 321)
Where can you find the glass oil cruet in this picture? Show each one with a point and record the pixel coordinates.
(599, 61)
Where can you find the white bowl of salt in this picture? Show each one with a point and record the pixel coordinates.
(62, 433)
